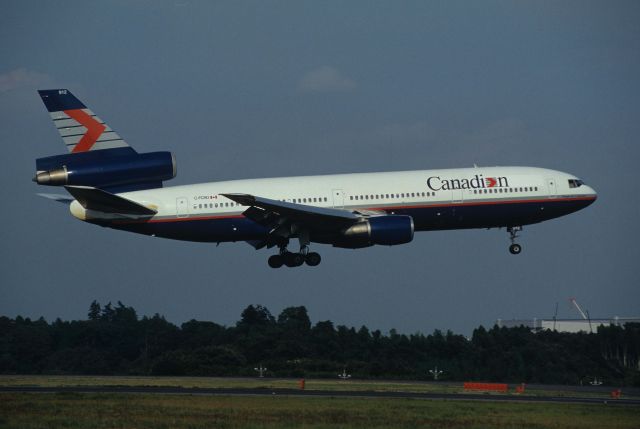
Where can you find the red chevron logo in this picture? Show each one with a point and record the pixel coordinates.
(94, 129)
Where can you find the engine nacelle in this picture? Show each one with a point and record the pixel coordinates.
(383, 230)
(106, 168)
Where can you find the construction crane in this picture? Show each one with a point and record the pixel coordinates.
(582, 313)
(573, 301)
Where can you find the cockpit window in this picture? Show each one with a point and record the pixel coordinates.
(575, 183)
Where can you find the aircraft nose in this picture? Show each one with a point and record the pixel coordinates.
(592, 192)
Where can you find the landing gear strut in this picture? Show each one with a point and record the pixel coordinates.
(291, 259)
(515, 248)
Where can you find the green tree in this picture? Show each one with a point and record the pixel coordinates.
(94, 311)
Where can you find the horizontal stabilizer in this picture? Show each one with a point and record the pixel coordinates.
(99, 200)
(65, 199)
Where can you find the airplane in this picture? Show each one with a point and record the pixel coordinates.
(112, 185)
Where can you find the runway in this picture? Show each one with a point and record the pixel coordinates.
(319, 393)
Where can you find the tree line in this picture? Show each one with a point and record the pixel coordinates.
(115, 341)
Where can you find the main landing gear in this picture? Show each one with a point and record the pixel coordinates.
(515, 248)
(291, 259)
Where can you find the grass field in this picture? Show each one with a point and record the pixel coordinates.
(221, 382)
(266, 383)
(75, 410)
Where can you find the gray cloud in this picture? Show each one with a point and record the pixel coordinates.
(325, 79)
(22, 78)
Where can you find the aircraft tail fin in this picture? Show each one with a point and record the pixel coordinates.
(80, 129)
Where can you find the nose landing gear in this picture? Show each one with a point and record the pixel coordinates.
(515, 248)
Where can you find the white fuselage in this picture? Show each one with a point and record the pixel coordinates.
(436, 199)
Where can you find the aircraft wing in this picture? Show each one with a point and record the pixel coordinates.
(286, 219)
(272, 209)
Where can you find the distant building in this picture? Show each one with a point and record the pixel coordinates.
(566, 325)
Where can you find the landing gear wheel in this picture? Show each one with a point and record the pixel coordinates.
(515, 248)
(293, 259)
(312, 259)
(275, 261)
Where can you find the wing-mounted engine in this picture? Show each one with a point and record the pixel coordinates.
(382, 230)
(120, 168)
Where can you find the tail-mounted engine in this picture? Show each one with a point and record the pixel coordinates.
(113, 168)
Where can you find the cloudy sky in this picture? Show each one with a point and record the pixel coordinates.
(260, 89)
